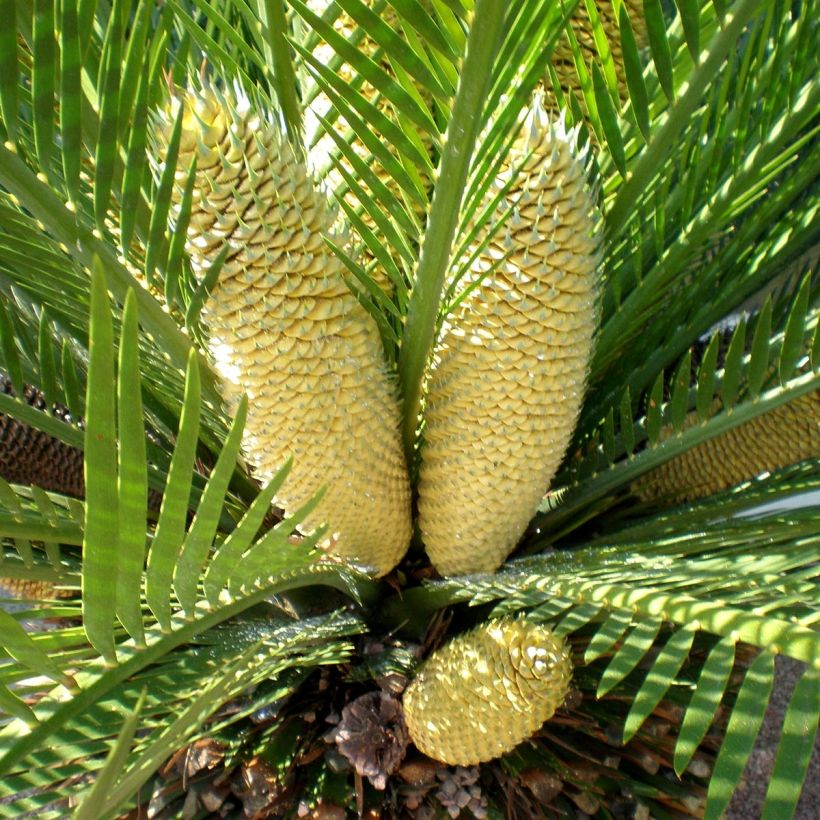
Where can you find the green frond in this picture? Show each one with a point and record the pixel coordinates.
(623, 593)
(182, 690)
(93, 804)
(178, 555)
(717, 173)
(795, 748)
(744, 724)
(726, 394)
(148, 581)
(434, 257)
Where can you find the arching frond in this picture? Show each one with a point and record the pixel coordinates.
(143, 566)
(116, 573)
(639, 605)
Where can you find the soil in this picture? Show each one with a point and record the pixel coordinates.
(747, 801)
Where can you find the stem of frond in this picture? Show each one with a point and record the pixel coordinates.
(81, 243)
(462, 130)
(278, 54)
(679, 115)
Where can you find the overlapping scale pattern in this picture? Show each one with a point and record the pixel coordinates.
(563, 60)
(486, 691)
(783, 436)
(508, 371)
(31, 457)
(285, 329)
(29, 589)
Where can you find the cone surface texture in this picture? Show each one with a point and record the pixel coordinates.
(31, 457)
(487, 691)
(563, 60)
(783, 436)
(285, 329)
(507, 375)
(29, 589)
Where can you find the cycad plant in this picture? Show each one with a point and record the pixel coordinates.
(425, 360)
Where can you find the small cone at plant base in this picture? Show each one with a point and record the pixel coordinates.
(285, 329)
(487, 691)
(783, 436)
(507, 376)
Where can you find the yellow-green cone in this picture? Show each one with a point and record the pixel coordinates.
(562, 58)
(487, 691)
(285, 329)
(783, 436)
(507, 377)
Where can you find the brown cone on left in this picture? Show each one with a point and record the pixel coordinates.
(285, 329)
(30, 457)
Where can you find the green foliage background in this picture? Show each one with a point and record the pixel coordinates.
(707, 171)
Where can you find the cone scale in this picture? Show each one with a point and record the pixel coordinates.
(487, 691)
(29, 589)
(508, 371)
(285, 329)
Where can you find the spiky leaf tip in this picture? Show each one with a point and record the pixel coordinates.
(508, 372)
(485, 692)
(285, 329)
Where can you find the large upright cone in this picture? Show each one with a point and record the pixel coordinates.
(285, 329)
(487, 691)
(508, 371)
(783, 436)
